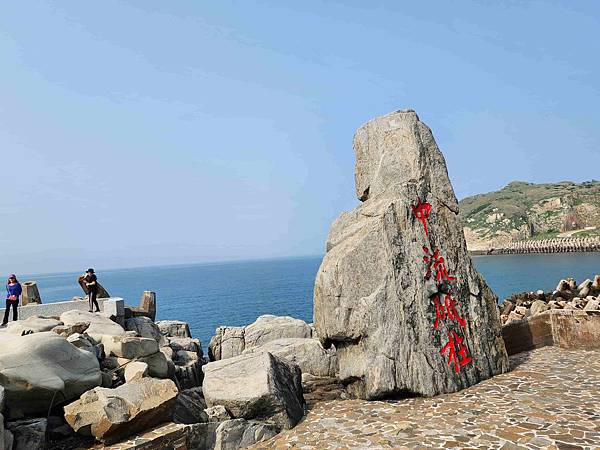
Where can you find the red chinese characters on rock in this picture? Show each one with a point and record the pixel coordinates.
(460, 357)
(422, 212)
(446, 311)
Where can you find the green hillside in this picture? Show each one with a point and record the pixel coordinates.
(523, 211)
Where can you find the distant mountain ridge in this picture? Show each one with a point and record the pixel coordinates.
(527, 211)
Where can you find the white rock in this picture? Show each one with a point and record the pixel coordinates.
(135, 370)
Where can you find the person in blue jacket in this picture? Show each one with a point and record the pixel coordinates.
(13, 292)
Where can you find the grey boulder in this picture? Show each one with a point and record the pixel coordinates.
(190, 406)
(174, 328)
(40, 367)
(261, 386)
(99, 325)
(232, 341)
(145, 327)
(241, 433)
(308, 354)
(112, 414)
(28, 434)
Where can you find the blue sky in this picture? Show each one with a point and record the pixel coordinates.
(151, 132)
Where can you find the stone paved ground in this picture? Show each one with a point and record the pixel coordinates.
(549, 400)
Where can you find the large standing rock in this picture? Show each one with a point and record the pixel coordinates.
(112, 414)
(259, 386)
(232, 341)
(372, 296)
(38, 367)
(308, 354)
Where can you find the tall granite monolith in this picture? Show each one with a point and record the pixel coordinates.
(397, 293)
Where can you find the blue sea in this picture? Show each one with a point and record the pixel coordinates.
(235, 293)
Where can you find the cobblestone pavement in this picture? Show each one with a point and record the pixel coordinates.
(549, 400)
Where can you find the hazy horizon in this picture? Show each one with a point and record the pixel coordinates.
(141, 133)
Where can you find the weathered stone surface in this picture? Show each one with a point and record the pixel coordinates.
(307, 353)
(66, 331)
(174, 328)
(158, 366)
(226, 343)
(187, 344)
(29, 434)
(6, 436)
(99, 324)
(112, 414)
(592, 305)
(240, 433)
(145, 327)
(36, 366)
(217, 413)
(188, 368)
(268, 328)
(129, 347)
(232, 341)
(539, 306)
(259, 386)
(34, 324)
(135, 370)
(190, 406)
(371, 298)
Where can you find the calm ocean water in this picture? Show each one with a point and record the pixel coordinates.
(235, 293)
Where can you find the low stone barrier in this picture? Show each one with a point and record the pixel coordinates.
(570, 329)
(113, 306)
(555, 245)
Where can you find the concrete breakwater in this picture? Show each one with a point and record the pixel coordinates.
(555, 245)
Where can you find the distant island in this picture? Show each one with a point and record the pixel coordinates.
(526, 217)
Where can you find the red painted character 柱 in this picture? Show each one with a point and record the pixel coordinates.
(459, 358)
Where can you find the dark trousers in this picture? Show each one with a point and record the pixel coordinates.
(92, 300)
(14, 306)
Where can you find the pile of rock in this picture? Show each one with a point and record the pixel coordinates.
(568, 295)
(102, 381)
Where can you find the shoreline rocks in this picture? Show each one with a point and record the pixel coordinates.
(256, 386)
(568, 295)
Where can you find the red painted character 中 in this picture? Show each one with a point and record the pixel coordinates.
(459, 358)
(422, 212)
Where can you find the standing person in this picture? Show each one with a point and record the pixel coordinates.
(91, 282)
(13, 292)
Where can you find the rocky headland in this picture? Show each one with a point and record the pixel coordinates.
(407, 338)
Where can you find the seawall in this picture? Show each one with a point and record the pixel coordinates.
(555, 245)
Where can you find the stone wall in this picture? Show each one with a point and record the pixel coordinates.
(114, 306)
(571, 329)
